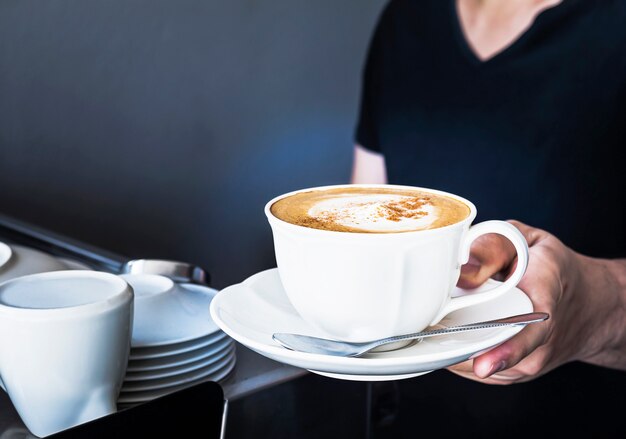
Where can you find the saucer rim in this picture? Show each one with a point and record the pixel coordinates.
(173, 362)
(200, 363)
(182, 378)
(370, 377)
(217, 376)
(210, 339)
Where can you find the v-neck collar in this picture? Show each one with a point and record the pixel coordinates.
(472, 56)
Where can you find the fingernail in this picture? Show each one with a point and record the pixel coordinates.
(496, 367)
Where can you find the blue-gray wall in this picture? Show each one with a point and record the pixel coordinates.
(160, 128)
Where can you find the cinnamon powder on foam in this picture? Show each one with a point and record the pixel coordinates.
(408, 208)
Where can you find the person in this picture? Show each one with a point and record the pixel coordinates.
(520, 107)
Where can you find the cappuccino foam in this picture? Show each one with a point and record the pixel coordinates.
(370, 210)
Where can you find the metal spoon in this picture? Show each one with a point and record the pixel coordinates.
(315, 345)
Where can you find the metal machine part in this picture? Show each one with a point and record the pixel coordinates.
(19, 232)
(175, 270)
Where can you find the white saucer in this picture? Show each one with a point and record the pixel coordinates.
(176, 380)
(20, 261)
(138, 397)
(227, 350)
(252, 311)
(209, 341)
(167, 312)
(5, 253)
(155, 364)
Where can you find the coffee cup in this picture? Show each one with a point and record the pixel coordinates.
(362, 262)
(64, 346)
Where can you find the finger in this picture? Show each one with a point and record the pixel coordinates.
(531, 234)
(465, 370)
(489, 255)
(498, 379)
(512, 351)
(465, 367)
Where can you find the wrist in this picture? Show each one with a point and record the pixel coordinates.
(618, 271)
(603, 283)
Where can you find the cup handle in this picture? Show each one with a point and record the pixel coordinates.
(521, 246)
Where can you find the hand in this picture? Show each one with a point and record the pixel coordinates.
(584, 297)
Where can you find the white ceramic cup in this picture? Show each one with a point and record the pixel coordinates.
(365, 286)
(64, 346)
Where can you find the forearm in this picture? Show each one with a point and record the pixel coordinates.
(605, 283)
(368, 167)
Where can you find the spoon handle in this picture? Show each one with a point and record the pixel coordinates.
(521, 319)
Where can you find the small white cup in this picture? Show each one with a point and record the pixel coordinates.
(365, 286)
(64, 346)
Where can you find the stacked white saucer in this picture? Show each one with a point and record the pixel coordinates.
(175, 343)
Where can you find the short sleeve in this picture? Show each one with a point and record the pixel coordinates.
(367, 125)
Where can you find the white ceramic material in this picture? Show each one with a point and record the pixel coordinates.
(224, 353)
(252, 311)
(5, 254)
(178, 379)
(177, 348)
(168, 312)
(25, 260)
(64, 345)
(154, 364)
(366, 286)
(139, 397)
(354, 377)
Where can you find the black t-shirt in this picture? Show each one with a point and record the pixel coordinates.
(534, 133)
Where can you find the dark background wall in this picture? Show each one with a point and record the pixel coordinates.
(160, 128)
